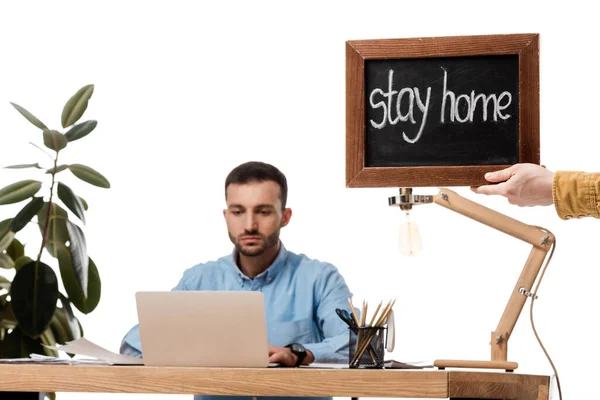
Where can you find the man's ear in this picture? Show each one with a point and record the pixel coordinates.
(287, 215)
(225, 213)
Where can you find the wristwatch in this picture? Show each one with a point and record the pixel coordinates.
(299, 351)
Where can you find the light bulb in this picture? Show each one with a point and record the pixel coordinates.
(409, 240)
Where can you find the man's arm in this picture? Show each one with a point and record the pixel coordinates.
(130, 345)
(332, 292)
(284, 356)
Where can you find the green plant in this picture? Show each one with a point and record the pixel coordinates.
(33, 311)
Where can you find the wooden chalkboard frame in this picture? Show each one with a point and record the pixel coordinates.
(525, 46)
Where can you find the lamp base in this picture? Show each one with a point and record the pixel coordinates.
(509, 366)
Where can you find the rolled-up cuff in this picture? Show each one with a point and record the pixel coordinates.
(331, 350)
(576, 194)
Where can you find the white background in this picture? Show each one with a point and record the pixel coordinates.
(185, 91)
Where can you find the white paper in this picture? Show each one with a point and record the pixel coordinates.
(84, 347)
(390, 364)
(326, 365)
(34, 360)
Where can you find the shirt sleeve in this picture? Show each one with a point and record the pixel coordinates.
(576, 194)
(331, 292)
(131, 344)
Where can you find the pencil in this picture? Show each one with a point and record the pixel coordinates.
(364, 344)
(353, 311)
(375, 314)
(363, 317)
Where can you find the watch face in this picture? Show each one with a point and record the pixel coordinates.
(299, 351)
(297, 348)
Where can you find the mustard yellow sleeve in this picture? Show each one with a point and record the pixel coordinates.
(576, 194)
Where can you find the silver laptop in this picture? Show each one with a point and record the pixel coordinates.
(203, 328)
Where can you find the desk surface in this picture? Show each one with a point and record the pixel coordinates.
(274, 381)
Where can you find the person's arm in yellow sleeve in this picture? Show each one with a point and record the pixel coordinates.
(574, 194)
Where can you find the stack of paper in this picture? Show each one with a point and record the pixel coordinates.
(82, 346)
(388, 364)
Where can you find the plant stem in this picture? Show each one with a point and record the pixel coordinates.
(47, 224)
(44, 235)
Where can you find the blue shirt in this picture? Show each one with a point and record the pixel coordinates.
(301, 295)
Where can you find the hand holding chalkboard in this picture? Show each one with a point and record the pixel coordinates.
(522, 184)
(440, 111)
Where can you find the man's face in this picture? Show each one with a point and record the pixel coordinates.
(254, 216)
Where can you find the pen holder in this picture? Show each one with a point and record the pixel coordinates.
(367, 347)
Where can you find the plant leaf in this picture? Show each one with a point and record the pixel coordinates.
(18, 345)
(72, 285)
(57, 169)
(4, 226)
(19, 191)
(71, 201)
(47, 338)
(57, 227)
(76, 106)
(78, 322)
(6, 261)
(19, 262)
(30, 117)
(68, 319)
(9, 321)
(26, 214)
(54, 140)
(57, 326)
(85, 204)
(20, 166)
(6, 239)
(15, 250)
(89, 175)
(6, 235)
(79, 257)
(34, 292)
(81, 130)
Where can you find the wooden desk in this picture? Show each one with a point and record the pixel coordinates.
(274, 382)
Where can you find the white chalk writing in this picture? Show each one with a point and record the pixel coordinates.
(464, 108)
(413, 94)
(471, 104)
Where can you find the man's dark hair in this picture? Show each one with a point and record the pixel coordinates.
(256, 171)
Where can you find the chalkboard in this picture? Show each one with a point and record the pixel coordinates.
(440, 111)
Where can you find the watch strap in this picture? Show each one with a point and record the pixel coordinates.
(300, 355)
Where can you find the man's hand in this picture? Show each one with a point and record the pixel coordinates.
(285, 357)
(521, 184)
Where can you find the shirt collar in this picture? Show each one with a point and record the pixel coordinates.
(271, 272)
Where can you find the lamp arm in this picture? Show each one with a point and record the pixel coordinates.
(530, 234)
(539, 238)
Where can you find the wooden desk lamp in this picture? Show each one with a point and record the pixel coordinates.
(541, 240)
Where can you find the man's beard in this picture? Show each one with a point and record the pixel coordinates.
(255, 249)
